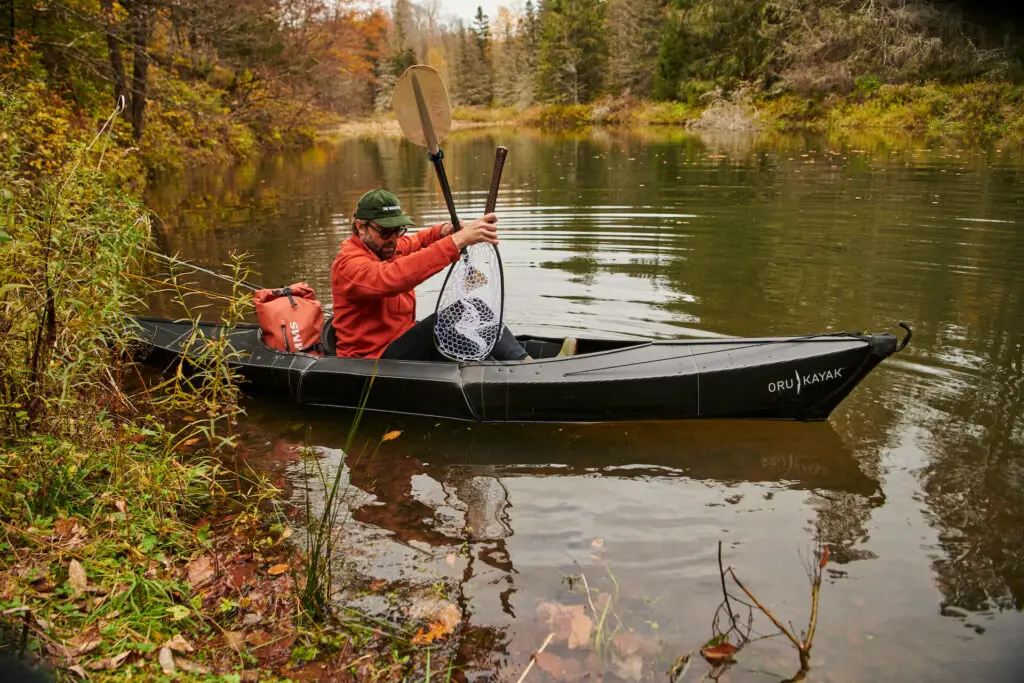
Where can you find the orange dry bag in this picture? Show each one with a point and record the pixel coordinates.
(290, 317)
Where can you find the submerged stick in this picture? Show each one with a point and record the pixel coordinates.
(533, 657)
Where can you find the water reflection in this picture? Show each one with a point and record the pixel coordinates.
(658, 233)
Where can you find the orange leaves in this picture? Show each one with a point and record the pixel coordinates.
(278, 569)
(444, 617)
(392, 435)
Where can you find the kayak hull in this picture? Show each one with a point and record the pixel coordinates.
(777, 378)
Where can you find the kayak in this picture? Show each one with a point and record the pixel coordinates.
(608, 380)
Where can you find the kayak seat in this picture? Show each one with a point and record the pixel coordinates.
(327, 339)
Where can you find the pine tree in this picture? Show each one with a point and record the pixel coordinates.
(484, 91)
(573, 50)
(635, 31)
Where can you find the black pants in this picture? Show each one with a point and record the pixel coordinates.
(418, 344)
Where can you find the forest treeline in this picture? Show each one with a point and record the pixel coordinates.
(205, 79)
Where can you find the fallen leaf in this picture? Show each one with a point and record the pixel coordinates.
(77, 578)
(65, 527)
(391, 436)
(377, 584)
(178, 612)
(450, 558)
(108, 663)
(435, 631)
(192, 667)
(558, 668)
(121, 506)
(567, 622)
(717, 654)
(200, 572)
(166, 661)
(179, 644)
(627, 643)
(235, 639)
(192, 442)
(240, 574)
(78, 670)
(597, 543)
(85, 642)
(278, 569)
(286, 534)
(631, 668)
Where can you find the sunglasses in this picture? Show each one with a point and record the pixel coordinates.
(387, 233)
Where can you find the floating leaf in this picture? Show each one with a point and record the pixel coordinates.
(597, 543)
(567, 622)
(628, 643)
(278, 569)
(720, 653)
(77, 578)
(192, 442)
(200, 572)
(392, 435)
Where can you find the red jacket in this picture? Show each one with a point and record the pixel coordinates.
(374, 301)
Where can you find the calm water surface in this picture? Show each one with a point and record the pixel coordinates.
(916, 483)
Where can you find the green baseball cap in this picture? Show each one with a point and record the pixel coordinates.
(383, 208)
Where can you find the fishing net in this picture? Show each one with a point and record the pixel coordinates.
(469, 308)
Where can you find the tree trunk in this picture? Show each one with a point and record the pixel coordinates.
(11, 38)
(114, 50)
(139, 19)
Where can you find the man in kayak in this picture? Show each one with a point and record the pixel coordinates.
(376, 271)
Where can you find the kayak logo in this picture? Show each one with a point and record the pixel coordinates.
(293, 326)
(799, 381)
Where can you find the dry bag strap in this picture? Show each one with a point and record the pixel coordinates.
(286, 291)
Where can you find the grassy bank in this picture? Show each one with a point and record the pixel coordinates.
(128, 549)
(975, 111)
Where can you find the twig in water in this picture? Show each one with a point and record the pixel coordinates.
(533, 657)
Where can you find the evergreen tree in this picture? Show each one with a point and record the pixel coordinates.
(573, 51)
(635, 31)
(484, 91)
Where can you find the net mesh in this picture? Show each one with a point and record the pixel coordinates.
(469, 308)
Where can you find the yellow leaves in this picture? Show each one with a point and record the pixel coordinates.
(278, 569)
(392, 435)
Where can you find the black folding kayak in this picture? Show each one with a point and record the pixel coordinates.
(779, 378)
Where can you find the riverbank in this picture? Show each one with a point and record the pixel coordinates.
(973, 111)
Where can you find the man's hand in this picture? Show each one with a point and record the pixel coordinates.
(481, 229)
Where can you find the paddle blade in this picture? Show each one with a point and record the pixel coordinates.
(469, 308)
(433, 105)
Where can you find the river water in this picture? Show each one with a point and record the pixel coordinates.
(916, 483)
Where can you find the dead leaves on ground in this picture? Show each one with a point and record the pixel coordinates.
(200, 572)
